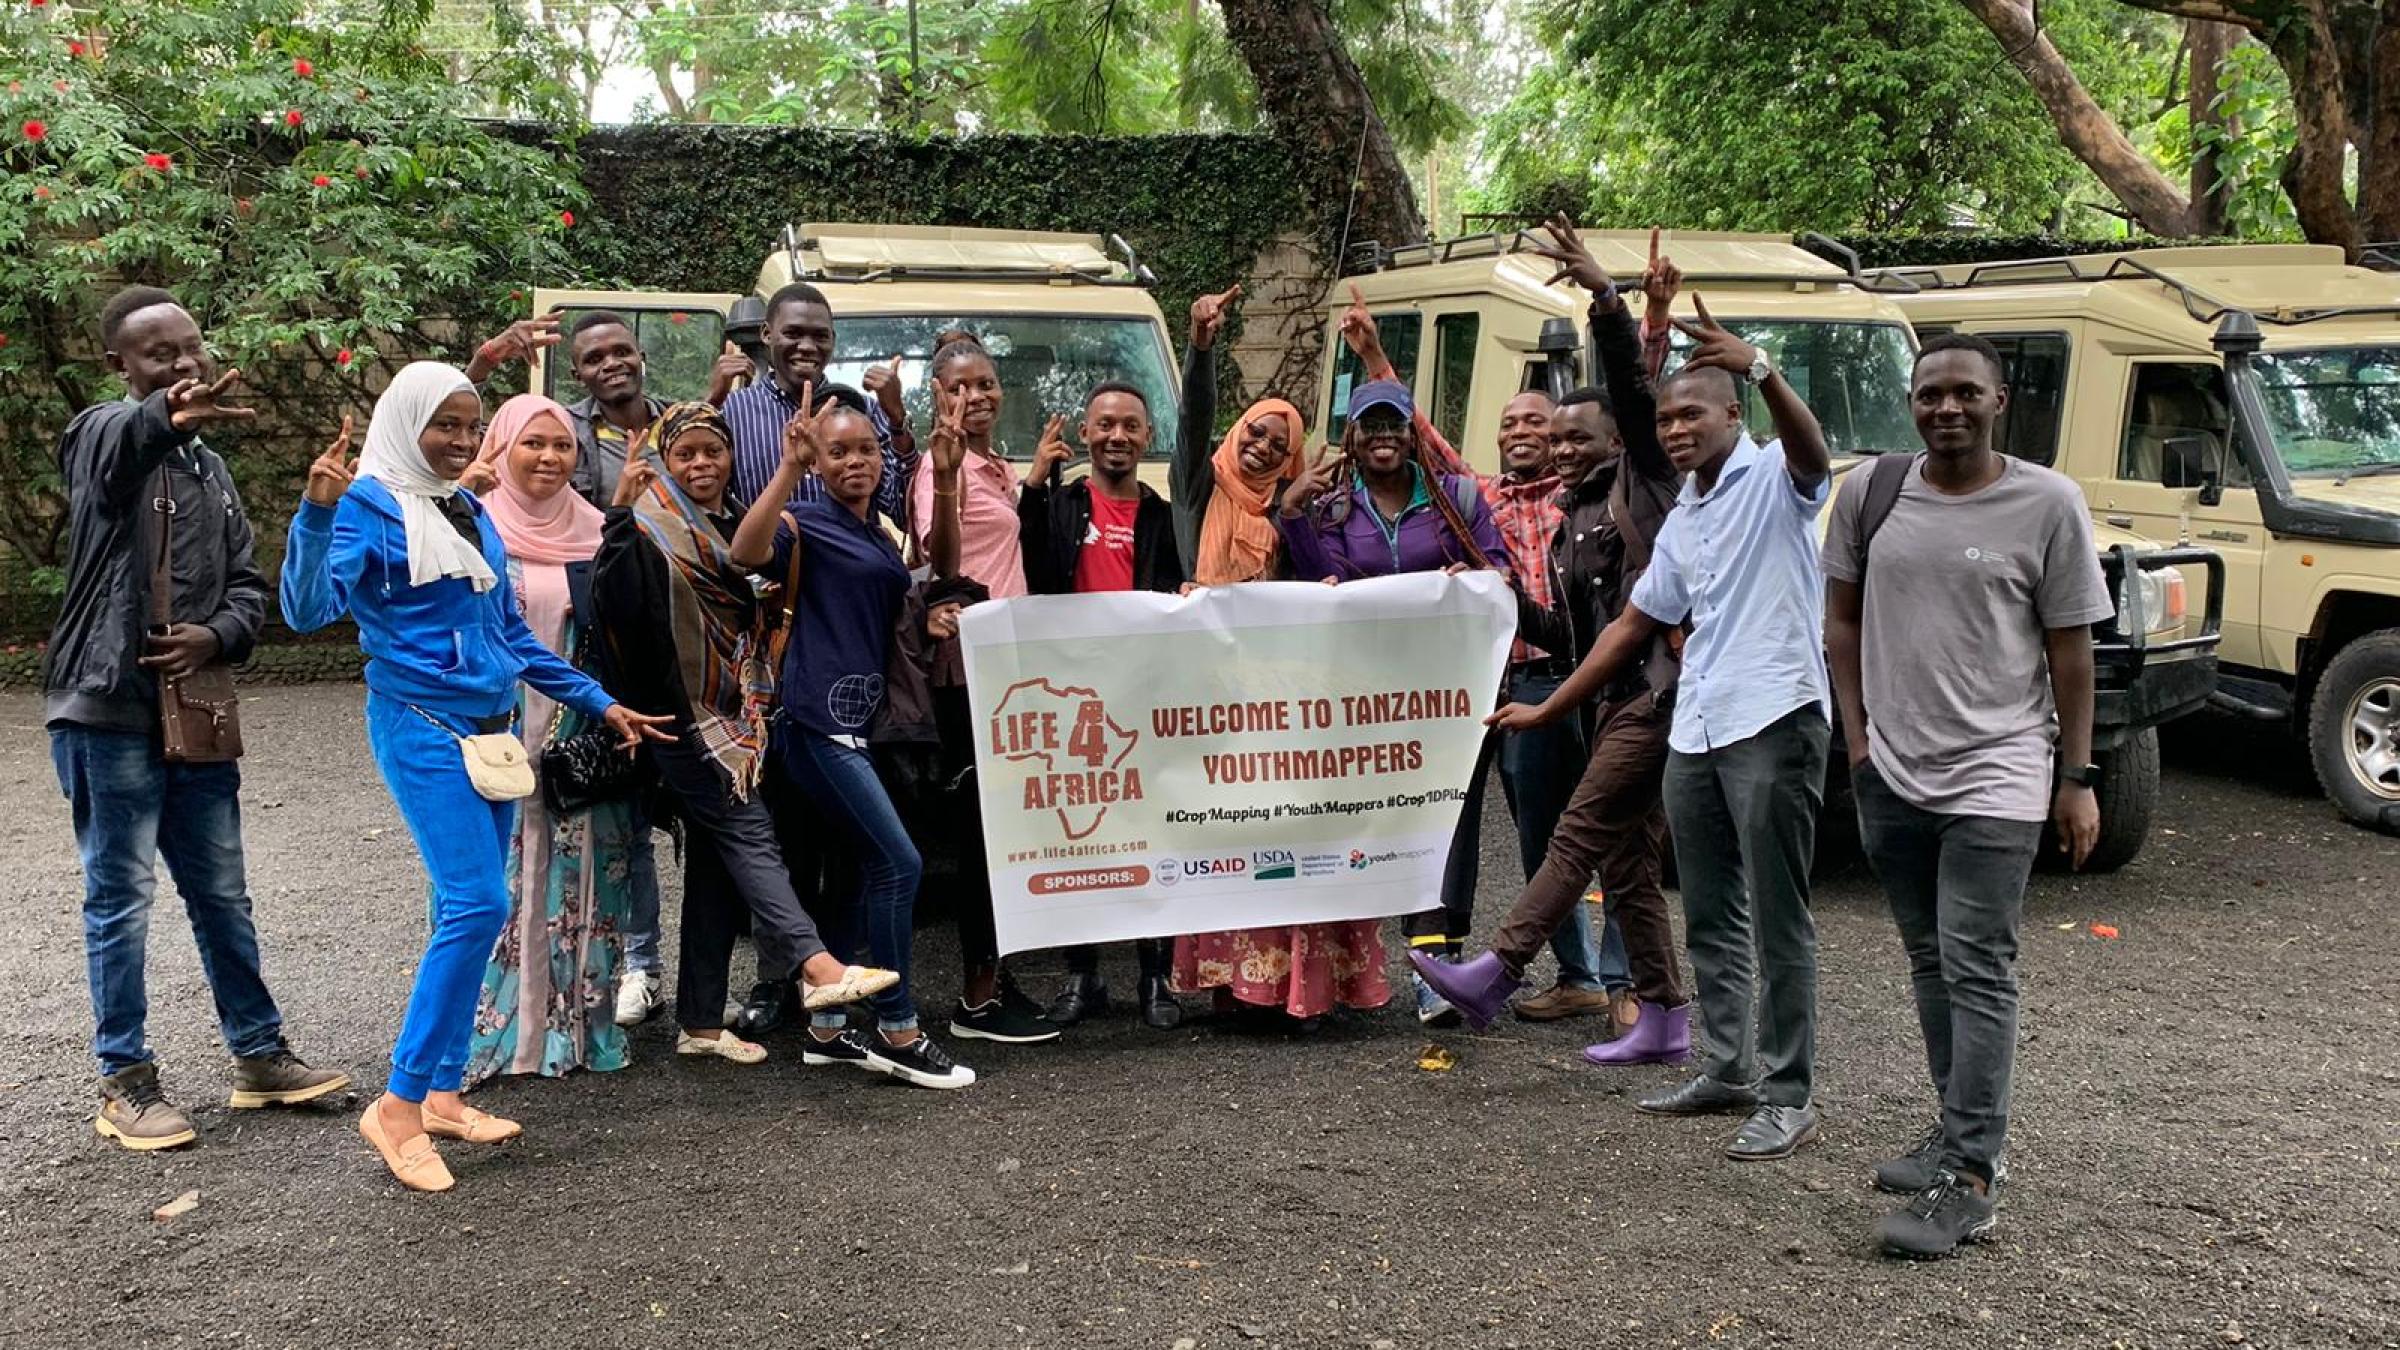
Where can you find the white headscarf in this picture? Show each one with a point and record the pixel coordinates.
(435, 547)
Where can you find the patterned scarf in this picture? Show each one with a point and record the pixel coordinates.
(720, 642)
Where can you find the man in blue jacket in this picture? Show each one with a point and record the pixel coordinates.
(130, 466)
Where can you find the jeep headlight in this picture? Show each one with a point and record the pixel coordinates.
(2162, 600)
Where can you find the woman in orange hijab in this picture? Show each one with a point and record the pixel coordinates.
(1307, 970)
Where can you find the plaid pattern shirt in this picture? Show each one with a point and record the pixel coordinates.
(1527, 514)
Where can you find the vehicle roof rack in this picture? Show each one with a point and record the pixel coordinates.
(1369, 255)
(2199, 304)
(868, 253)
(2383, 257)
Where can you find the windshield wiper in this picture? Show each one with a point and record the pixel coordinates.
(2367, 471)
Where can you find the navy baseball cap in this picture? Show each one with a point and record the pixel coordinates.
(1382, 394)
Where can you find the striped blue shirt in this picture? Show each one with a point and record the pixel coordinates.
(1740, 561)
(757, 412)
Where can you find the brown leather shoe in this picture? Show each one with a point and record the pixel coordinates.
(1561, 1001)
(135, 1113)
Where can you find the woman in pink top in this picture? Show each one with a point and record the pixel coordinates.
(987, 515)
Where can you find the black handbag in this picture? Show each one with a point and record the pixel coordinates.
(581, 771)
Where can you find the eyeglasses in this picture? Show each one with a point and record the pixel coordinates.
(1382, 423)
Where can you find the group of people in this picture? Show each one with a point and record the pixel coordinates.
(736, 617)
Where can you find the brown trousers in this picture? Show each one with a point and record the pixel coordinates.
(1613, 826)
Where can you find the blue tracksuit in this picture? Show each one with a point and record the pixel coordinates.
(438, 653)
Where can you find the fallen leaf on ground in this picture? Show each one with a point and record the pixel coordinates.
(2104, 930)
(177, 1207)
(1436, 1059)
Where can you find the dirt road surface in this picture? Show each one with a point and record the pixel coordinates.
(2205, 1146)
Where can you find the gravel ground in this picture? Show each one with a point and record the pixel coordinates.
(2206, 1140)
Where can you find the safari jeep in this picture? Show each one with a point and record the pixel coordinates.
(1059, 313)
(2247, 399)
(1496, 329)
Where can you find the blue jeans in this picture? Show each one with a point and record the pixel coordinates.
(1538, 771)
(130, 808)
(641, 924)
(842, 783)
(463, 840)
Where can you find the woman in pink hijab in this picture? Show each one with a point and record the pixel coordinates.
(548, 1003)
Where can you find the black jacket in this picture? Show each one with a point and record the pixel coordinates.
(1051, 524)
(598, 465)
(1193, 474)
(109, 459)
(633, 643)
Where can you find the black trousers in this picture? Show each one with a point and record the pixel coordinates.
(1449, 925)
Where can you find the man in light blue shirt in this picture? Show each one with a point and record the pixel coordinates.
(1736, 566)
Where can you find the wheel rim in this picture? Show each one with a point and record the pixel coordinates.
(2374, 737)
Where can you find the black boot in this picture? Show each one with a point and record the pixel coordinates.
(1084, 995)
(1159, 1008)
(771, 1005)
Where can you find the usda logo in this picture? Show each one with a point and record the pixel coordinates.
(1273, 864)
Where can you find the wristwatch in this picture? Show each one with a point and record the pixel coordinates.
(1759, 369)
(2086, 776)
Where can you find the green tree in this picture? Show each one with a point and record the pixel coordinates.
(1879, 114)
(310, 191)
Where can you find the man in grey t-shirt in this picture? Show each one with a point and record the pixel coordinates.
(1960, 643)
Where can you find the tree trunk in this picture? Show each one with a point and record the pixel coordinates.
(2085, 128)
(2209, 44)
(2378, 133)
(1319, 108)
(2312, 177)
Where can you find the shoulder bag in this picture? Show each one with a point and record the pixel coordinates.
(199, 714)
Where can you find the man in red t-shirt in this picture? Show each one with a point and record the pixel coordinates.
(1106, 531)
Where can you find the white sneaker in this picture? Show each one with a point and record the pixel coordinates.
(639, 997)
(726, 1045)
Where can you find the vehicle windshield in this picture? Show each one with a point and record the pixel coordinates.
(1047, 364)
(2332, 411)
(1853, 376)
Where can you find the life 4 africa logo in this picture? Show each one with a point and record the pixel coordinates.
(1069, 753)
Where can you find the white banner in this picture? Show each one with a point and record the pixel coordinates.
(1246, 756)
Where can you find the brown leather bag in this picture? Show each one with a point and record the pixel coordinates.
(199, 715)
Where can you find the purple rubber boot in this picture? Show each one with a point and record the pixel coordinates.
(1663, 1036)
(1479, 989)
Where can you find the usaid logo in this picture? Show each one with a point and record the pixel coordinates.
(1195, 868)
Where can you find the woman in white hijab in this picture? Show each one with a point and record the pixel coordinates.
(393, 542)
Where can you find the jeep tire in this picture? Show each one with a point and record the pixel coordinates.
(2128, 799)
(2354, 731)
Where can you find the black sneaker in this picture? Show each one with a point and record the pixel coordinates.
(1942, 1218)
(919, 1062)
(1014, 997)
(1915, 1170)
(847, 1048)
(997, 1021)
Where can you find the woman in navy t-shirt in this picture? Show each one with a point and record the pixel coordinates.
(851, 589)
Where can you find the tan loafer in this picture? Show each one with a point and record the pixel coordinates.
(857, 982)
(473, 1127)
(724, 1045)
(416, 1163)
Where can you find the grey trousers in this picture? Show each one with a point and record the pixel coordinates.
(1957, 887)
(730, 863)
(1745, 823)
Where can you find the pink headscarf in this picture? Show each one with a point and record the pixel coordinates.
(564, 529)
(542, 536)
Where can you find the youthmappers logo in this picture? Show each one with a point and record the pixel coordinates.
(1070, 752)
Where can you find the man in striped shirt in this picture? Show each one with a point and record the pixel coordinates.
(799, 337)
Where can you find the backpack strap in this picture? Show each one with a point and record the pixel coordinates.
(1885, 477)
(791, 599)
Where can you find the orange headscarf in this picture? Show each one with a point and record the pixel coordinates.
(1237, 541)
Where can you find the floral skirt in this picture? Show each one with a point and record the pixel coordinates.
(549, 992)
(1306, 970)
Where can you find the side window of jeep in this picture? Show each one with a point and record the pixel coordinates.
(2178, 422)
(1401, 333)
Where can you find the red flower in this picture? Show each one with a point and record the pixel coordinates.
(3, 339)
(302, 68)
(359, 172)
(41, 194)
(516, 295)
(74, 48)
(34, 129)
(321, 181)
(159, 162)
(679, 320)
(567, 218)
(16, 86)
(291, 117)
(342, 357)
(59, 85)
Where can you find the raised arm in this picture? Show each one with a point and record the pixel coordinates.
(1804, 450)
(1193, 478)
(325, 551)
(949, 454)
(1360, 336)
(753, 543)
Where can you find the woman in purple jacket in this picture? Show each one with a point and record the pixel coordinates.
(1378, 508)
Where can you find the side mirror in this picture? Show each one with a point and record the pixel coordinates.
(2212, 484)
(2195, 462)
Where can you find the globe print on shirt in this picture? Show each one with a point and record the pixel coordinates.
(852, 700)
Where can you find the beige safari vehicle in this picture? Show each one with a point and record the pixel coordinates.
(2246, 399)
(1469, 323)
(1059, 313)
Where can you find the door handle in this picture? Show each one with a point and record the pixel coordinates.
(2121, 522)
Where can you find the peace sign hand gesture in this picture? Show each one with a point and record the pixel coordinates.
(1052, 454)
(1314, 481)
(517, 342)
(193, 403)
(1717, 347)
(1208, 316)
(800, 439)
(331, 474)
(1662, 280)
(1575, 261)
(949, 441)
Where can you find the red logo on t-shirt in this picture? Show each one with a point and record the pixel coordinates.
(1105, 563)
